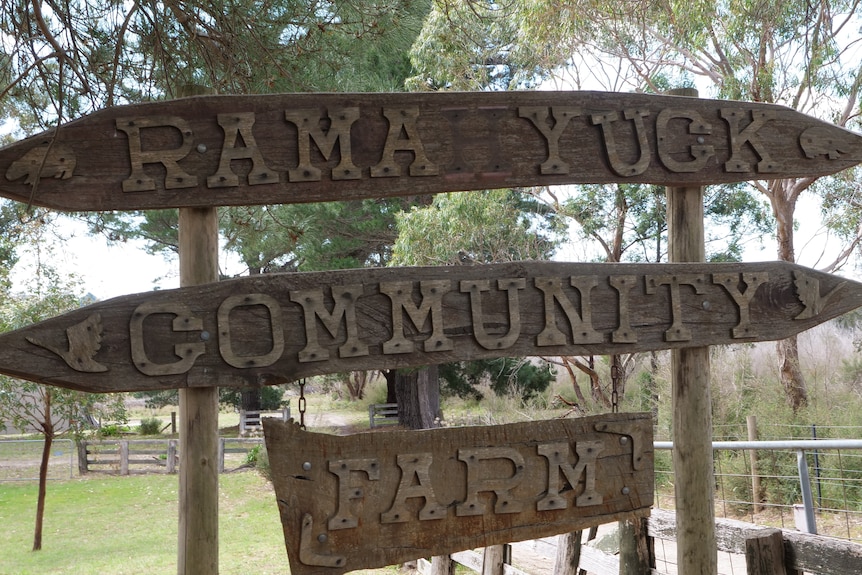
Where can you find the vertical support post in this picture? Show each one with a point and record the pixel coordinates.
(751, 423)
(807, 498)
(692, 403)
(198, 521)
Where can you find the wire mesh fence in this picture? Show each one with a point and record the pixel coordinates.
(20, 459)
(812, 486)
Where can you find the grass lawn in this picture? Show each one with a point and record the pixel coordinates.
(128, 525)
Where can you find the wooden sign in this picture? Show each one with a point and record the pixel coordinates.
(294, 148)
(376, 499)
(271, 329)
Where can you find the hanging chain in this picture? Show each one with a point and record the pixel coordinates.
(302, 404)
(615, 380)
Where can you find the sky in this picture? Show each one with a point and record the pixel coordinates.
(109, 271)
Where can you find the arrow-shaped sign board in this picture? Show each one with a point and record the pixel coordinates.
(295, 148)
(277, 328)
(374, 499)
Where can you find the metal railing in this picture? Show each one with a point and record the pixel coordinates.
(778, 488)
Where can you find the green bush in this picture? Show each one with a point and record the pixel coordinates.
(150, 426)
(258, 457)
(112, 430)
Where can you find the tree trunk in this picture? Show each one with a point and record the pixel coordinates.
(418, 394)
(48, 432)
(250, 399)
(789, 373)
(390, 375)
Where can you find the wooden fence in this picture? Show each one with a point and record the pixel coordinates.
(125, 457)
(767, 551)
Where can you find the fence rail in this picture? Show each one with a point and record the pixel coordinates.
(154, 455)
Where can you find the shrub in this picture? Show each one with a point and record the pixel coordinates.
(150, 426)
(112, 430)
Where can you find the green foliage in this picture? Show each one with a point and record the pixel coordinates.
(506, 376)
(475, 227)
(150, 426)
(112, 430)
(271, 398)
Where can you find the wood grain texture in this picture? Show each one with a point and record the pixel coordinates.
(277, 328)
(381, 498)
(294, 148)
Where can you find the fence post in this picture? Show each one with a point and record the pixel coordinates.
(221, 454)
(492, 560)
(634, 547)
(764, 552)
(442, 565)
(172, 456)
(568, 553)
(124, 458)
(751, 422)
(83, 466)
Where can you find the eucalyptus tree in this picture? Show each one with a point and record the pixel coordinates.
(801, 54)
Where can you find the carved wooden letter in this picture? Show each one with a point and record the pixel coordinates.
(581, 324)
(677, 331)
(240, 125)
(624, 333)
(538, 115)
(344, 307)
(183, 321)
(748, 135)
(275, 323)
(696, 125)
(558, 455)
(500, 486)
(414, 466)
(343, 519)
(308, 124)
(617, 164)
(403, 120)
(475, 288)
(432, 304)
(175, 177)
(730, 282)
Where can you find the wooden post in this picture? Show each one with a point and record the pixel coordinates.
(442, 565)
(764, 552)
(568, 553)
(492, 560)
(124, 458)
(634, 547)
(172, 456)
(198, 522)
(692, 404)
(751, 422)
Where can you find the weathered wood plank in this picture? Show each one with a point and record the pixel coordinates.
(803, 551)
(277, 328)
(764, 552)
(289, 148)
(376, 499)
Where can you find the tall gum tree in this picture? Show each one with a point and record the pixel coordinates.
(800, 54)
